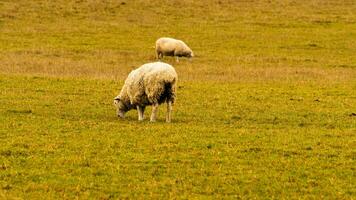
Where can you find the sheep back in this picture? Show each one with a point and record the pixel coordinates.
(151, 83)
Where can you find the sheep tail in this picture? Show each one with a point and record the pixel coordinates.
(167, 91)
(170, 90)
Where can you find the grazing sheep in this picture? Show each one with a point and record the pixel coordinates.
(172, 47)
(150, 84)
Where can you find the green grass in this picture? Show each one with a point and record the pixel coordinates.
(108, 38)
(266, 110)
(61, 138)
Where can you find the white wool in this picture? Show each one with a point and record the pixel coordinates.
(150, 84)
(172, 47)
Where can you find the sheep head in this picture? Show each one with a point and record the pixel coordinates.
(121, 108)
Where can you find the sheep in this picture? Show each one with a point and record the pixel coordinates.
(151, 84)
(172, 47)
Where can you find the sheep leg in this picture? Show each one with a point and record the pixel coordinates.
(140, 111)
(169, 111)
(143, 112)
(177, 59)
(154, 112)
(157, 55)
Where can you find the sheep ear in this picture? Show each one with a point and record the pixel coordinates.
(117, 98)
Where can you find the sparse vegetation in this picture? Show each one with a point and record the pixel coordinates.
(265, 110)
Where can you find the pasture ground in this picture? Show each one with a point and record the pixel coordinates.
(265, 110)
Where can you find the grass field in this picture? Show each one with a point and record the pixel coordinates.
(266, 110)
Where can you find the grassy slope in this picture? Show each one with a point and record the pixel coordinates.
(285, 129)
(109, 38)
(62, 139)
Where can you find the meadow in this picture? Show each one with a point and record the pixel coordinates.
(266, 109)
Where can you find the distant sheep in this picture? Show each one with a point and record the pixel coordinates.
(172, 47)
(150, 84)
